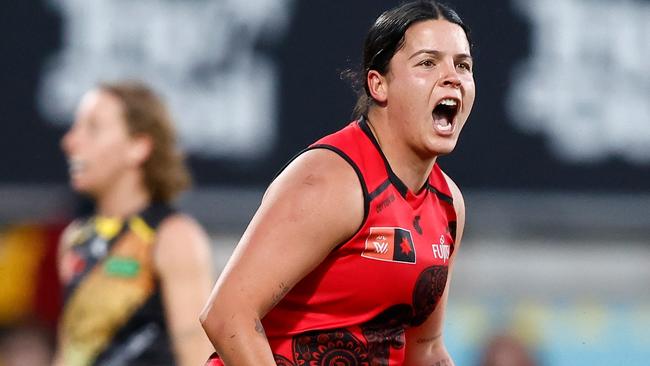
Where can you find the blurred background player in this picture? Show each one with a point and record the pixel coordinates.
(136, 272)
(507, 350)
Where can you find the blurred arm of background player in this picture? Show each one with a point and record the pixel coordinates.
(184, 264)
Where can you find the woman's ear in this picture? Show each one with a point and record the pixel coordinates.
(140, 149)
(377, 86)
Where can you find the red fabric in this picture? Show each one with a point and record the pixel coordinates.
(353, 308)
(47, 303)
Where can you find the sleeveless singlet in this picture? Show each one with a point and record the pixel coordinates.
(354, 307)
(113, 312)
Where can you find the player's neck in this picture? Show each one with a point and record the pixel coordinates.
(412, 169)
(124, 197)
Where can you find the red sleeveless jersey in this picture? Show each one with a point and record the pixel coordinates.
(354, 307)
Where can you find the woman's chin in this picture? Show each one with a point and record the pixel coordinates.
(80, 186)
(441, 148)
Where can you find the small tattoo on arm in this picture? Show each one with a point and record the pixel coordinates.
(428, 339)
(283, 289)
(259, 328)
(445, 362)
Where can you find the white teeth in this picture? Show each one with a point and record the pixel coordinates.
(75, 165)
(448, 102)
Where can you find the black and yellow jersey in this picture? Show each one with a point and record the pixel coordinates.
(113, 311)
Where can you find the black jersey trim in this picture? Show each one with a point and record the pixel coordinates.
(156, 213)
(382, 187)
(399, 185)
(453, 225)
(440, 195)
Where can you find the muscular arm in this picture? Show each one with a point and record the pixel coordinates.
(315, 204)
(424, 344)
(183, 262)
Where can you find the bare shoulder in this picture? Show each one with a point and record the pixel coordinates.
(314, 204)
(319, 166)
(179, 224)
(180, 242)
(322, 183)
(326, 171)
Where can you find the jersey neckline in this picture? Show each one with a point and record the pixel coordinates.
(392, 177)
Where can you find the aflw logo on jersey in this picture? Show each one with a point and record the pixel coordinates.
(391, 244)
(441, 250)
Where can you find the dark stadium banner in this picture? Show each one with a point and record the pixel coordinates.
(562, 86)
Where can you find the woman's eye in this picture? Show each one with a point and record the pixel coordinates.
(427, 63)
(465, 66)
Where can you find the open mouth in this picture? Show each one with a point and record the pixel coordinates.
(444, 113)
